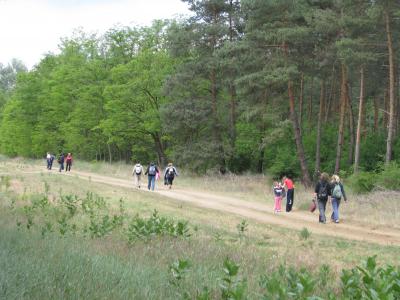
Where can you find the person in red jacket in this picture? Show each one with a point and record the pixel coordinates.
(68, 161)
(288, 184)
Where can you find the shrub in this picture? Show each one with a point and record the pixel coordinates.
(304, 234)
(363, 182)
(389, 178)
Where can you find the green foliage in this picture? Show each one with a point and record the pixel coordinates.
(305, 234)
(289, 284)
(362, 182)
(179, 270)
(232, 287)
(387, 177)
(156, 225)
(242, 228)
(371, 282)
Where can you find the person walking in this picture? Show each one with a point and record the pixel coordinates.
(278, 194)
(137, 174)
(337, 191)
(48, 160)
(61, 159)
(68, 160)
(52, 157)
(289, 186)
(322, 193)
(151, 172)
(169, 175)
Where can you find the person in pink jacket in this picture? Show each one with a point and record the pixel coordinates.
(68, 161)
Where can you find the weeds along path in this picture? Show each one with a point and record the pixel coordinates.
(260, 212)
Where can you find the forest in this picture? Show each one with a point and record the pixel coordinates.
(279, 87)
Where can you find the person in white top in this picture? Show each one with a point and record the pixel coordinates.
(137, 174)
(48, 159)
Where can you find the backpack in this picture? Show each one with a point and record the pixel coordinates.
(152, 170)
(278, 191)
(138, 169)
(323, 191)
(171, 171)
(337, 191)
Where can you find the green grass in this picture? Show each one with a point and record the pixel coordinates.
(74, 265)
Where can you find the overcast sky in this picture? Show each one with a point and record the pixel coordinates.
(30, 28)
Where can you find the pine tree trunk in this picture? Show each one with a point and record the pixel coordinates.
(319, 126)
(391, 124)
(343, 97)
(310, 104)
(331, 96)
(233, 114)
(376, 114)
(160, 149)
(359, 122)
(214, 108)
(109, 153)
(232, 88)
(301, 101)
(297, 135)
(351, 129)
(385, 109)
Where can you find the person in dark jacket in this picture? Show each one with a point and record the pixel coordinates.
(52, 157)
(322, 193)
(169, 175)
(151, 172)
(61, 159)
(337, 193)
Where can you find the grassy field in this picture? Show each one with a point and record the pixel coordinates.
(43, 263)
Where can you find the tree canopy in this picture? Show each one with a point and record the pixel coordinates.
(287, 87)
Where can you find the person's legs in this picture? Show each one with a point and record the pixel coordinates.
(153, 182)
(322, 208)
(279, 203)
(335, 206)
(289, 200)
(61, 167)
(149, 182)
(170, 181)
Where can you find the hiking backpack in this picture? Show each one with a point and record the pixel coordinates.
(152, 170)
(323, 191)
(337, 191)
(138, 169)
(171, 171)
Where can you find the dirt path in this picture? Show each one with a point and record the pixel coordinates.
(260, 212)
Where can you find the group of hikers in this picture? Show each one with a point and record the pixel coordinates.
(153, 173)
(326, 189)
(62, 159)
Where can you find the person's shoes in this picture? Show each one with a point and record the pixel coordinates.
(337, 221)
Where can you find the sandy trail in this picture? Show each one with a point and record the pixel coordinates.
(259, 212)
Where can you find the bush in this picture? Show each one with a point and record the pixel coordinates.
(389, 178)
(363, 182)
